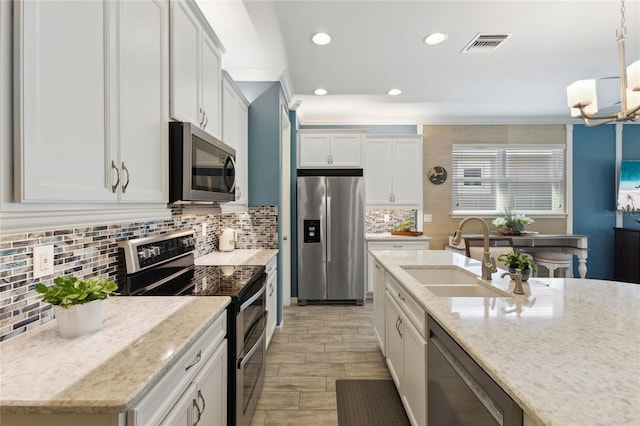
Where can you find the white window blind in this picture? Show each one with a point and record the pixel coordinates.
(490, 179)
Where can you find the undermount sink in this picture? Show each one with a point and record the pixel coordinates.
(452, 282)
(463, 290)
(431, 275)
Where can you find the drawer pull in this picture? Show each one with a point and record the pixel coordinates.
(197, 360)
(195, 405)
(401, 298)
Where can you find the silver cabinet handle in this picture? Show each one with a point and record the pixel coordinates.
(284, 238)
(205, 119)
(401, 298)
(197, 360)
(399, 325)
(124, 169)
(115, 185)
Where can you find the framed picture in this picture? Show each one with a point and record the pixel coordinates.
(629, 186)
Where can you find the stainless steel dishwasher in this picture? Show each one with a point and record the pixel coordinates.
(459, 391)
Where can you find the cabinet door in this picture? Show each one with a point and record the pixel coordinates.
(235, 134)
(407, 172)
(378, 173)
(143, 100)
(61, 91)
(313, 150)
(394, 345)
(184, 412)
(345, 151)
(211, 76)
(211, 397)
(185, 76)
(377, 278)
(414, 383)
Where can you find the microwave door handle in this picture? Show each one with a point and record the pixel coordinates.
(232, 187)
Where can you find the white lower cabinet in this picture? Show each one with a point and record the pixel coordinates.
(272, 297)
(195, 388)
(204, 401)
(406, 350)
(379, 300)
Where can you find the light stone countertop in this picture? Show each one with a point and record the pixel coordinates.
(107, 371)
(387, 236)
(237, 257)
(567, 352)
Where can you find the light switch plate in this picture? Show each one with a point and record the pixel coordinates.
(427, 218)
(42, 261)
(386, 217)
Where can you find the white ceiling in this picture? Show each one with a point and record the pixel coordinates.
(378, 45)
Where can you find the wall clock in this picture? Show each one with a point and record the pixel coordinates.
(437, 175)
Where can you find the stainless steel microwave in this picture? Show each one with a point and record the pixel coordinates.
(201, 167)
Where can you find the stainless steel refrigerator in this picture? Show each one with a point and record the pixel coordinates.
(331, 258)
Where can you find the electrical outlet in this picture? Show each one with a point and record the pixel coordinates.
(204, 229)
(386, 218)
(427, 218)
(42, 261)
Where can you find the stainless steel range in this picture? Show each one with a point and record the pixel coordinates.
(163, 265)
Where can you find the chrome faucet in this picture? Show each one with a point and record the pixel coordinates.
(518, 277)
(488, 262)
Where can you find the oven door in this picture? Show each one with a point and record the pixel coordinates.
(250, 365)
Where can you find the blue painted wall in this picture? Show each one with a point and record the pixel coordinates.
(595, 190)
(266, 104)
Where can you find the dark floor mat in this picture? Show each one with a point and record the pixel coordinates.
(369, 403)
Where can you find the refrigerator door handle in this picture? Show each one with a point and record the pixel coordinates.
(328, 239)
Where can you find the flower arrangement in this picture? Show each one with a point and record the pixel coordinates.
(510, 223)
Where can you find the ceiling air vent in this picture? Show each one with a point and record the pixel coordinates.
(485, 43)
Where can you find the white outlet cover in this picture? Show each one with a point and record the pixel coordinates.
(43, 261)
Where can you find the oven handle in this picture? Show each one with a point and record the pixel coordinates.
(242, 361)
(164, 280)
(255, 296)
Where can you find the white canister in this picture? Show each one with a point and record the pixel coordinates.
(228, 239)
(80, 320)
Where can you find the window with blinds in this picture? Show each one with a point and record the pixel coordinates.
(489, 179)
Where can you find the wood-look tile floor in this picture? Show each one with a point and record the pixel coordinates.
(316, 345)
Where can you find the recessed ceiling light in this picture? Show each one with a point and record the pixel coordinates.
(435, 38)
(394, 92)
(320, 92)
(321, 39)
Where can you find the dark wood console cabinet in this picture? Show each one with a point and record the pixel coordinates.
(627, 252)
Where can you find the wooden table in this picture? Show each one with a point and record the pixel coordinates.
(576, 245)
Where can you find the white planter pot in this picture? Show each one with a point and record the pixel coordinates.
(80, 320)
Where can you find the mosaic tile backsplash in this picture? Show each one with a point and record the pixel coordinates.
(92, 251)
(377, 225)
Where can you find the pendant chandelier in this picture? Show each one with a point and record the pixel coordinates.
(581, 95)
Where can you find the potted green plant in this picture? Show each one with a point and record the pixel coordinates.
(78, 305)
(518, 260)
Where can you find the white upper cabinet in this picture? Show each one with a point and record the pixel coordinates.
(322, 150)
(235, 133)
(393, 171)
(144, 100)
(196, 72)
(91, 101)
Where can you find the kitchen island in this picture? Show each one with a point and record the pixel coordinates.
(109, 373)
(567, 351)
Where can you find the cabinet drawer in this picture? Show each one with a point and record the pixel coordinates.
(398, 245)
(409, 306)
(157, 402)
